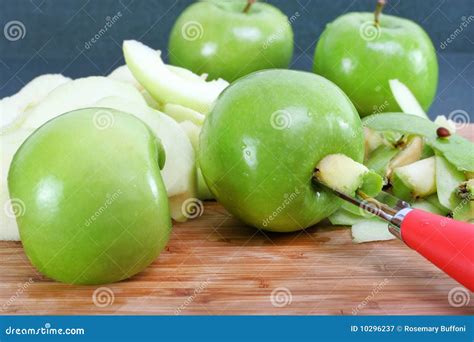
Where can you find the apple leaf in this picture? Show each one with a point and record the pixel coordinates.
(457, 150)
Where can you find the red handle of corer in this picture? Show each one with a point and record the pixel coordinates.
(447, 243)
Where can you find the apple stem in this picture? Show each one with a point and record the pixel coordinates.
(249, 4)
(378, 10)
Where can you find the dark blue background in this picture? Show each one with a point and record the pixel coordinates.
(56, 31)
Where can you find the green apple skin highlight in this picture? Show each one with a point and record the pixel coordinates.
(361, 60)
(219, 39)
(262, 140)
(96, 209)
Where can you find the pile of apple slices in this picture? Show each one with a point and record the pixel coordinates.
(172, 101)
(430, 168)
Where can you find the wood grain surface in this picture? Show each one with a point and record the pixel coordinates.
(216, 265)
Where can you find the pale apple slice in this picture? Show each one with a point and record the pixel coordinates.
(80, 93)
(123, 74)
(178, 172)
(405, 99)
(414, 180)
(165, 84)
(10, 142)
(181, 113)
(12, 108)
(371, 230)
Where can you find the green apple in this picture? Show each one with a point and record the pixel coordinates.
(361, 57)
(263, 139)
(95, 206)
(169, 84)
(230, 39)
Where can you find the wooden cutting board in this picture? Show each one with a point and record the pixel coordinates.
(216, 265)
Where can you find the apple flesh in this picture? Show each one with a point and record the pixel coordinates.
(95, 204)
(414, 180)
(170, 84)
(264, 137)
(220, 39)
(345, 175)
(362, 58)
(12, 108)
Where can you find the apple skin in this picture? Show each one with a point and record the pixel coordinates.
(217, 38)
(362, 67)
(262, 140)
(69, 171)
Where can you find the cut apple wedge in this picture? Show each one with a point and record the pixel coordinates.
(193, 131)
(181, 113)
(12, 108)
(405, 99)
(414, 180)
(343, 174)
(123, 74)
(371, 230)
(178, 173)
(167, 84)
(80, 93)
(410, 154)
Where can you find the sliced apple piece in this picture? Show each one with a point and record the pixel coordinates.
(372, 140)
(371, 230)
(405, 99)
(343, 174)
(181, 113)
(410, 154)
(12, 108)
(178, 173)
(80, 93)
(380, 158)
(414, 180)
(165, 84)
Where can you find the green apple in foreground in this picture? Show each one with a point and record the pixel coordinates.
(230, 39)
(260, 145)
(95, 206)
(361, 58)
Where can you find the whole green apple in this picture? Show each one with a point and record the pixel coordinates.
(230, 39)
(95, 207)
(260, 144)
(361, 57)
